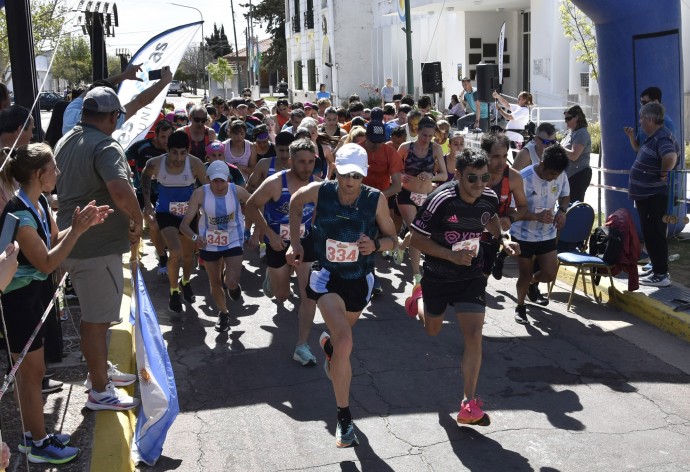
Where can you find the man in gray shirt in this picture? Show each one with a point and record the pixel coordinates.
(93, 167)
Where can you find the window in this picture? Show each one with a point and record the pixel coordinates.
(311, 74)
(298, 75)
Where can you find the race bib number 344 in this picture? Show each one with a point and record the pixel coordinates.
(338, 251)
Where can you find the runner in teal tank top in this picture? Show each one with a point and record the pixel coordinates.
(351, 222)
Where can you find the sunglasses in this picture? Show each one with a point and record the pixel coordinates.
(473, 178)
(352, 175)
(568, 117)
(198, 119)
(546, 142)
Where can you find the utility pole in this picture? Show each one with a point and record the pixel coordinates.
(248, 54)
(408, 37)
(237, 53)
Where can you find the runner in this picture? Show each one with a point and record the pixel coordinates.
(447, 229)
(267, 167)
(273, 197)
(220, 236)
(349, 218)
(175, 173)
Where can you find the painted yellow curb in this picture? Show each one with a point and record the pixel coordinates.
(637, 304)
(112, 436)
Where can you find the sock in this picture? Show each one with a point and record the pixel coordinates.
(173, 290)
(40, 443)
(328, 347)
(502, 255)
(344, 416)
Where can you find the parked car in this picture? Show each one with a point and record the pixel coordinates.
(47, 100)
(175, 88)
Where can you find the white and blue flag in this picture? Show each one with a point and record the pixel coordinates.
(159, 405)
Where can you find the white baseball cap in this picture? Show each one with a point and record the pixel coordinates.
(218, 170)
(351, 158)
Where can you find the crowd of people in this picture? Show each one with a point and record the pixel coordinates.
(317, 190)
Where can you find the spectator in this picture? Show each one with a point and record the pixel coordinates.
(648, 95)
(387, 92)
(578, 145)
(455, 110)
(321, 94)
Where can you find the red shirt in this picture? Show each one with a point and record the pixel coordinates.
(382, 164)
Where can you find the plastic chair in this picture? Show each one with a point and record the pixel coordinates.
(575, 236)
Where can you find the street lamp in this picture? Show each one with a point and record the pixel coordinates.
(203, 49)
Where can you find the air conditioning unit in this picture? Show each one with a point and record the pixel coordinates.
(584, 80)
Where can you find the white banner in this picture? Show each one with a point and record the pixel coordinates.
(501, 47)
(164, 49)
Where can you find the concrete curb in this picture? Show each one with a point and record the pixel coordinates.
(637, 304)
(114, 431)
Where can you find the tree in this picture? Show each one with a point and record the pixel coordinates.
(191, 67)
(218, 43)
(579, 28)
(220, 71)
(272, 12)
(73, 60)
(114, 65)
(47, 18)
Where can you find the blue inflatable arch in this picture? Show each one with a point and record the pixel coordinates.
(639, 45)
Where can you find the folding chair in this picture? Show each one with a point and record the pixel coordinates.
(575, 236)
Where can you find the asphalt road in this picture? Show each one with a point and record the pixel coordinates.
(591, 390)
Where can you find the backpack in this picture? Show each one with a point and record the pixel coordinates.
(607, 244)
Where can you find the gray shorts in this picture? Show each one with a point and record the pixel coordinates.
(99, 283)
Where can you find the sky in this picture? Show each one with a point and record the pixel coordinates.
(139, 20)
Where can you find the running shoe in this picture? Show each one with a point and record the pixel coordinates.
(398, 256)
(187, 292)
(70, 294)
(111, 399)
(27, 441)
(535, 295)
(262, 252)
(497, 270)
(656, 280)
(50, 385)
(175, 303)
(646, 271)
(417, 279)
(411, 306)
(52, 451)
(268, 290)
(471, 413)
(521, 314)
(377, 289)
(345, 435)
(223, 323)
(304, 356)
(119, 379)
(235, 293)
(327, 362)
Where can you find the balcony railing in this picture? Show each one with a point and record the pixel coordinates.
(309, 19)
(296, 28)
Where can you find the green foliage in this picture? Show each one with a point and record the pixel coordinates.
(272, 12)
(114, 65)
(73, 60)
(47, 20)
(218, 43)
(594, 128)
(220, 71)
(579, 28)
(687, 155)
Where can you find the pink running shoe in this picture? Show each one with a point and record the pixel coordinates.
(471, 413)
(411, 302)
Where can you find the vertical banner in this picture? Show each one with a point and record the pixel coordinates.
(159, 405)
(164, 49)
(501, 47)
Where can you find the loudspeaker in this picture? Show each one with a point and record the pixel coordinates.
(432, 77)
(487, 81)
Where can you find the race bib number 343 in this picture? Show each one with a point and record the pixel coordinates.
(338, 251)
(215, 237)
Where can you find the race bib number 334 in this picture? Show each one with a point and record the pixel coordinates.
(338, 251)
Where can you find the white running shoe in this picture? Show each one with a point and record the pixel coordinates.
(119, 379)
(111, 399)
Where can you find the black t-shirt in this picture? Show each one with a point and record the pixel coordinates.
(270, 153)
(137, 156)
(447, 219)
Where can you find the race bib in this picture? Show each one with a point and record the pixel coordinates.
(285, 231)
(338, 251)
(178, 208)
(469, 244)
(418, 198)
(217, 237)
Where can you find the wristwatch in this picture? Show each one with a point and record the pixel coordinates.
(562, 209)
(195, 237)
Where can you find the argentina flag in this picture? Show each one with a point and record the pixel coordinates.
(159, 405)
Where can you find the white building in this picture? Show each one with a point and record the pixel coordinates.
(346, 44)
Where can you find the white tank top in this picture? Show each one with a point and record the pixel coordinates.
(531, 147)
(222, 221)
(242, 160)
(183, 179)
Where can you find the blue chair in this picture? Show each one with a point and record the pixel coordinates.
(572, 241)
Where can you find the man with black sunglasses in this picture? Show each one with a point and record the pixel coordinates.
(198, 133)
(447, 229)
(352, 222)
(531, 153)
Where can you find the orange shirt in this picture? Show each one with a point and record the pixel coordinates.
(382, 164)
